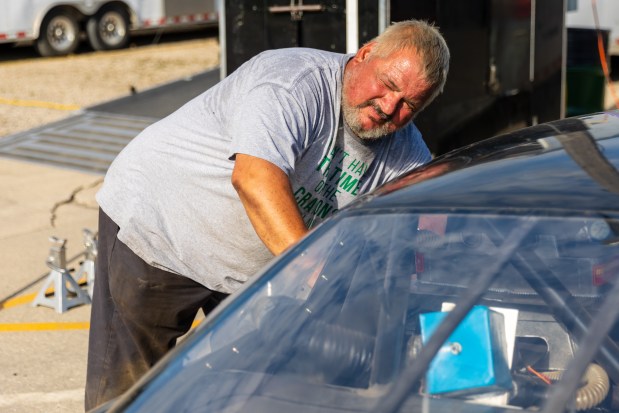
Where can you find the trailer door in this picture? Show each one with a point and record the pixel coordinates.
(252, 26)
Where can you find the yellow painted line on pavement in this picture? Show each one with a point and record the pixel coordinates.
(44, 326)
(14, 302)
(28, 298)
(12, 327)
(38, 104)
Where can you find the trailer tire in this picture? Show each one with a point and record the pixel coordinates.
(108, 29)
(59, 34)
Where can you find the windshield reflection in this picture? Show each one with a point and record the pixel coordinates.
(339, 326)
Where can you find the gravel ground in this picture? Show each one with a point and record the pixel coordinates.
(35, 91)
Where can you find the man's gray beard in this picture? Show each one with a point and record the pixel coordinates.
(351, 117)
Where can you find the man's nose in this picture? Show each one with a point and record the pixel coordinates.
(389, 103)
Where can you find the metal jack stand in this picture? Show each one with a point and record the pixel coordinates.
(58, 278)
(87, 267)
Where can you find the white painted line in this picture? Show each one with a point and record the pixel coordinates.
(41, 397)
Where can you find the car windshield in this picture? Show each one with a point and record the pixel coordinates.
(339, 322)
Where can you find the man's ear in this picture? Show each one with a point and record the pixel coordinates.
(364, 52)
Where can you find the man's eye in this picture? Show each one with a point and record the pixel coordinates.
(388, 85)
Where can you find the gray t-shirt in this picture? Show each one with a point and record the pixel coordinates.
(170, 189)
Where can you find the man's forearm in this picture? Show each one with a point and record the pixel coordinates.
(265, 192)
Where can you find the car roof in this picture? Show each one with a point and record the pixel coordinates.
(566, 166)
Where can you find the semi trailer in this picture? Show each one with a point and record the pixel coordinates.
(56, 27)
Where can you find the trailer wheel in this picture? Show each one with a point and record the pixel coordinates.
(108, 29)
(59, 34)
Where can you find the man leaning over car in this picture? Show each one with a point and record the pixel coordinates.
(202, 199)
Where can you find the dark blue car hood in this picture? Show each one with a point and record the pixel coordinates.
(566, 165)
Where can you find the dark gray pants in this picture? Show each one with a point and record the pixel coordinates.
(138, 312)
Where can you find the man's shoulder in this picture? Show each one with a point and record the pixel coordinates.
(409, 133)
(300, 53)
(409, 141)
(287, 66)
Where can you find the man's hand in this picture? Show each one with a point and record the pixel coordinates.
(267, 196)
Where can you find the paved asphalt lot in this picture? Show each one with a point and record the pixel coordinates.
(43, 353)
